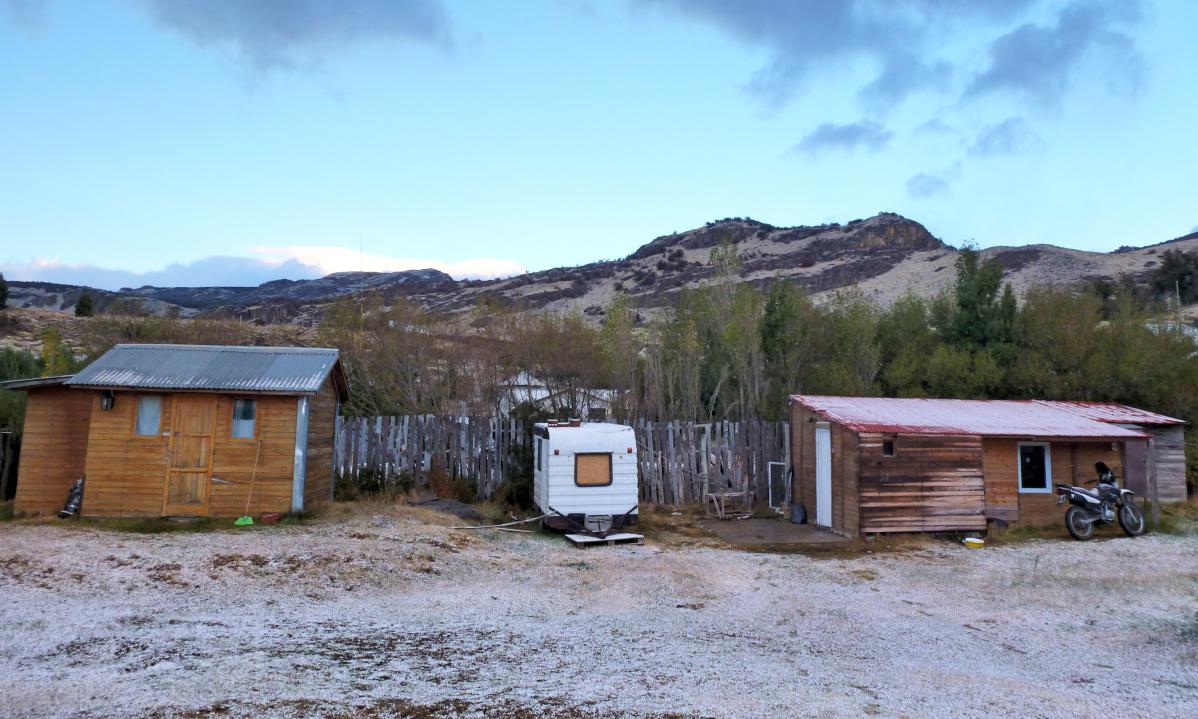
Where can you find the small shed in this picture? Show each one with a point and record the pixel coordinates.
(871, 465)
(1166, 458)
(181, 430)
(585, 468)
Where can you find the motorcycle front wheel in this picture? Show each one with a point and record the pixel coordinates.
(1131, 519)
(1077, 523)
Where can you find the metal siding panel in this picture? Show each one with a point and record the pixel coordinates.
(299, 472)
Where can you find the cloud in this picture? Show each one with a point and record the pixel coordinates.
(209, 271)
(925, 185)
(1039, 60)
(269, 263)
(331, 259)
(1004, 138)
(899, 38)
(849, 136)
(287, 34)
(906, 43)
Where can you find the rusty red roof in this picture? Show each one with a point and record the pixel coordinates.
(1113, 413)
(990, 418)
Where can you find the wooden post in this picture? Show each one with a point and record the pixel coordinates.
(5, 461)
(1153, 496)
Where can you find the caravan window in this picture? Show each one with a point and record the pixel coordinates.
(592, 469)
(539, 466)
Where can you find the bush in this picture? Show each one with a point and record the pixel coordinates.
(84, 307)
(370, 485)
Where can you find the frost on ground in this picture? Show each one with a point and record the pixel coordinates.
(400, 616)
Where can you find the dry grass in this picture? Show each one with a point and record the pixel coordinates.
(670, 527)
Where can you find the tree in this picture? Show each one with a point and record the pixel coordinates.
(3, 292)
(57, 358)
(1177, 274)
(621, 350)
(905, 341)
(785, 327)
(83, 306)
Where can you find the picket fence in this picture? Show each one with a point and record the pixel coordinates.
(677, 459)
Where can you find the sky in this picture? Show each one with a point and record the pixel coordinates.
(232, 142)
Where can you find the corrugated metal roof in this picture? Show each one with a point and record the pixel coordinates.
(1113, 413)
(35, 382)
(285, 370)
(992, 418)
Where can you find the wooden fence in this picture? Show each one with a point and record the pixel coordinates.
(483, 450)
(676, 459)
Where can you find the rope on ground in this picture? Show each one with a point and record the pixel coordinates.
(506, 524)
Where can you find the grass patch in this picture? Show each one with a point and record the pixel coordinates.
(1179, 518)
(1019, 533)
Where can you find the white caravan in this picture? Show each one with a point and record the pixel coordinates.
(586, 471)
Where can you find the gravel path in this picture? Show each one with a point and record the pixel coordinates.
(400, 616)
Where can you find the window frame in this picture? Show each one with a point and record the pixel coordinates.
(1047, 488)
(137, 415)
(611, 468)
(888, 441)
(233, 419)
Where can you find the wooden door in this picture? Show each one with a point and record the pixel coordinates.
(1135, 466)
(823, 475)
(189, 471)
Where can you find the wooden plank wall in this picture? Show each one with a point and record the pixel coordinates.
(802, 457)
(126, 473)
(1072, 463)
(322, 425)
(233, 459)
(1169, 454)
(932, 483)
(53, 448)
(845, 492)
(488, 451)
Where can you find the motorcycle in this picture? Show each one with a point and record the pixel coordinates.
(1105, 504)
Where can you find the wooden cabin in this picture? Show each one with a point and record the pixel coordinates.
(865, 465)
(184, 431)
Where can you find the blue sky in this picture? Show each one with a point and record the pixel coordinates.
(237, 141)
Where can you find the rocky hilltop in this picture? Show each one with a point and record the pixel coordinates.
(884, 256)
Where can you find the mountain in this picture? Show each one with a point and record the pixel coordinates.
(883, 256)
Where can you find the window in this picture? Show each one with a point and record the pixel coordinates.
(149, 415)
(1035, 467)
(888, 448)
(540, 467)
(592, 469)
(245, 415)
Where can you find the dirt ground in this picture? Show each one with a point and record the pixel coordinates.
(389, 613)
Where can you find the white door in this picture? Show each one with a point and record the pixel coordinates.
(823, 476)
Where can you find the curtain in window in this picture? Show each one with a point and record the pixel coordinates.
(244, 414)
(149, 414)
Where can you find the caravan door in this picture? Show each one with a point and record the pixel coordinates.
(823, 474)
